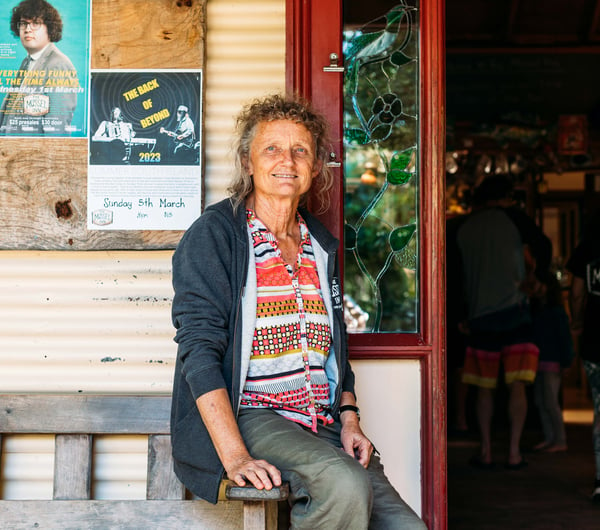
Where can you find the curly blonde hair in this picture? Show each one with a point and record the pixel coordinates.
(278, 107)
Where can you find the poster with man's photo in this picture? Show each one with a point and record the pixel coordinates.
(44, 68)
(144, 169)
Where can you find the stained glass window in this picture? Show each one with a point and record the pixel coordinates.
(381, 175)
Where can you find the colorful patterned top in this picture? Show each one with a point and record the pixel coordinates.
(292, 336)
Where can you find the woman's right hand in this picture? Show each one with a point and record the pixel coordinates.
(260, 473)
(217, 415)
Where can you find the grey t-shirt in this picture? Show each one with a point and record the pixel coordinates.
(492, 253)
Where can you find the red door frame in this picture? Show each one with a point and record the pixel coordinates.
(313, 32)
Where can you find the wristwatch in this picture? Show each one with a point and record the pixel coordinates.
(344, 408)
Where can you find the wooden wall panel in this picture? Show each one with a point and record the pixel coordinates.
(148, 33)
(43, 181)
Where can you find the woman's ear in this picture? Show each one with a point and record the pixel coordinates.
(247, 165)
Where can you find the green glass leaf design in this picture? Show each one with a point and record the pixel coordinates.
(395, 15)
(359, 43)
(400, 160)
(350, 237)
(381, 132)
(398, 177)
(398, 173)
(356, 136)
(400, 237)
(399, 59)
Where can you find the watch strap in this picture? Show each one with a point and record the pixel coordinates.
(344, 408)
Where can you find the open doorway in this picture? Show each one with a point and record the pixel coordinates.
(521, 78)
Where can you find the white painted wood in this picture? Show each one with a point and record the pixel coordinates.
(389, 396)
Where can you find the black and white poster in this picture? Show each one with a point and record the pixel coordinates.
(144, 149)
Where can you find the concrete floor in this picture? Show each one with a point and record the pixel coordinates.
(553, 492)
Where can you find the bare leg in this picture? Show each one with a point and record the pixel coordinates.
(517, 412)
(459, 394)
(462, 390)
(485, 410)
(551, 390)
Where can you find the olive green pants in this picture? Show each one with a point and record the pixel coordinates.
(328, 489)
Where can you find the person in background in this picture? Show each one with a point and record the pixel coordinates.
(584, 300)
(183, 136)
(115, 127)
(263, 389)
(112, 139)
(39, 25)
(493, 242)
(552, 335)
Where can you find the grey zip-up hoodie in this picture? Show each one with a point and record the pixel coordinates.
(214, 308)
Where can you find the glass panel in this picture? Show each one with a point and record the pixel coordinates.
(381, 170)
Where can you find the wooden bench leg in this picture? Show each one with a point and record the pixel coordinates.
(260, 506)
(260, 515)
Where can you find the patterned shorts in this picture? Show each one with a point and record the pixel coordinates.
(519, 361)
(512, 347)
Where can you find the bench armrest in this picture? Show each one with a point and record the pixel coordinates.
(250, 493)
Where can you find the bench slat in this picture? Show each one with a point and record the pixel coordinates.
(81, 414)
(100, 515)
(72, 466)
(162, 482)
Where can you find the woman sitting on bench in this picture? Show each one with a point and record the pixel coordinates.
(263, 388)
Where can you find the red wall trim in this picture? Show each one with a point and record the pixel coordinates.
(433, 111)
(298, 68)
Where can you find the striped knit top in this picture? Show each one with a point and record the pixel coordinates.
(292, 337)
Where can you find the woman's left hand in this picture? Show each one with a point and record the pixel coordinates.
(354, 442)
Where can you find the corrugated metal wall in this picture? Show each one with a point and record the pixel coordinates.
(100, 321)
(86, 321)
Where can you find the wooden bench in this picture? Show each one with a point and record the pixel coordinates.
(75, 420)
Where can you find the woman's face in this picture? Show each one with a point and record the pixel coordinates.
(282, 160)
